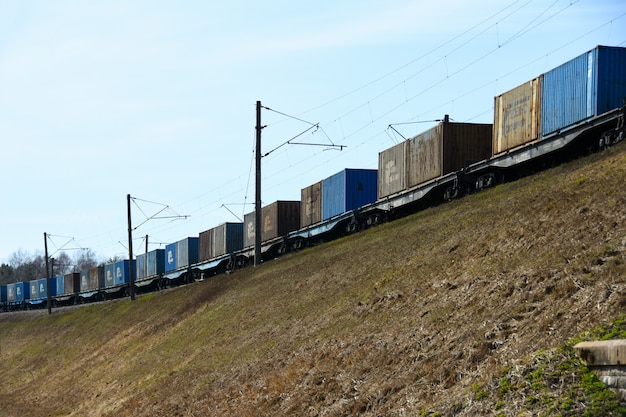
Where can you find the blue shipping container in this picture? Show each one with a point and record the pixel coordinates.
(348, 190)
(43, 287)
(60, 285)
(21, 291)
(122, 272)
(587, 86)
(170, 257)
(3, 293)
(156, 262)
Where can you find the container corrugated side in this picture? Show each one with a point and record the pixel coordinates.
(279, 218)
(71, 284)
(34, 289)
(205, 243)
(84, 280)
(425, 156)
(141, 263)
(60, 283)
(11, 292)
(226, 238)
(347, 190)
(171, 257)
(93, 280)
(156, 262)
(187, 252)
(122, 272)
(249, 231)
(21, 291)
(311, 204)
(43, 287)
(517, 116)
(611, 78)
(109, 275)
(392, 170)
(584, 87)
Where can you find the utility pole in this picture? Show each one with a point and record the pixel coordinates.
(257, 199)
(45, 245)
(131, 279)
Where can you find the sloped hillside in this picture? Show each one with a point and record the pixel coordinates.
(462, 309)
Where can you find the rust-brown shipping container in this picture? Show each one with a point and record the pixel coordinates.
(71, 284)
(392, 164)
(205, 243)
(517, 116)
(311, 205)
(279, 218)
(443, 149)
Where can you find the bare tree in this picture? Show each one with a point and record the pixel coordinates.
(85, 259)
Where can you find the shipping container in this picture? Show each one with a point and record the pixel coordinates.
(347, 190)
(109, 275)
(181, 254)
(68, 284)
(186, 252)
(447, 148)
(3, 293)
(279, 218)
(220, 240)
(156, 262)
(92, 279)
(311, 205)
(141, 264)
(587, 86)
(122, 272)
(443, 149)
(517, 116)
(34, 289)
(42, 287)
(170, 257)
(392, 167)
(18, 291)
(205, 245)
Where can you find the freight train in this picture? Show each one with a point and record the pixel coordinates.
(573, 109)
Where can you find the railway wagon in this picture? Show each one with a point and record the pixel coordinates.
(443, 149)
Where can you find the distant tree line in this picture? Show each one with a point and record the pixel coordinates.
(23, 266)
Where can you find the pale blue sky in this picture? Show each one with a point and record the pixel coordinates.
(99, 99)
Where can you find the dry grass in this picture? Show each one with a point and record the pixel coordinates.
(425, 314)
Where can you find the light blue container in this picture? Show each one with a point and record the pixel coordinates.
(587, 86)
(109, 275)
(156, 262)
(348, 190)
(187, 252)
